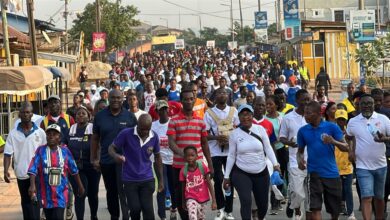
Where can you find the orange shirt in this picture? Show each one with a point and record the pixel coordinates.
(200, 107)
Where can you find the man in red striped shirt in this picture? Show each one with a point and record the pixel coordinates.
(185, 129)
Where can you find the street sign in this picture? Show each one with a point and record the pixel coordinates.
(179, 44)
(210, 43)
(363, 25)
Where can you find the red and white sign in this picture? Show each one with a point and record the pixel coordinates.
(98, 42)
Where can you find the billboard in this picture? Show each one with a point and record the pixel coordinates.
(290, 9)
(292, 28)
(261, 21)
(261, 35)
(179, 44)
(98, 42)
(210, 44)
(362, 25)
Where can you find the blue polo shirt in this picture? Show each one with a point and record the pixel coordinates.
(108, 126)
(320, 156)
(174, 95)
(137, 166)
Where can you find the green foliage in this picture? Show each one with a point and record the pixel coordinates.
(116, 22)
(272, 28)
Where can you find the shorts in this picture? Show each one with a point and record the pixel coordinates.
(329, 189)
(372, 182)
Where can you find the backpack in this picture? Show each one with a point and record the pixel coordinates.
(225, 126)
(198, 164)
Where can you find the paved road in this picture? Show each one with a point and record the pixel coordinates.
(10, 205)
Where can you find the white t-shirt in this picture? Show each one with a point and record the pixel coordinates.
(370, 155)
(23, 148)
(150, 98)
(165, 152)
(259, 92)
(247, 152)
(289, 127)
(139, 113)
(211, 125)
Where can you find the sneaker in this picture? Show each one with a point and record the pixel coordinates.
(298, 217)
(173, 215)
(254, 215)
(280, 208)
(274, 212)
(43, 216)
(229, 216)
(351, 217)
(289, 212)
(168, 204)
(220, 215)
(69, 213)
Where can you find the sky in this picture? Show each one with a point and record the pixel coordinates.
(212, 13)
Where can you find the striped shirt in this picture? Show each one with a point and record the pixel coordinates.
(188, 132)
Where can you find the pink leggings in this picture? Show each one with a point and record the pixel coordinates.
(196, 210)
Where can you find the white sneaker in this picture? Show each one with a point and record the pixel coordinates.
(351, 217)
(229, 216)
(297, 217)
(220, 215)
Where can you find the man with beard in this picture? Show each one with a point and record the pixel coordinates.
(371, 130)
(106, 126)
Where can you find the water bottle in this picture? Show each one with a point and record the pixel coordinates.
(228, 191)
(34, 199)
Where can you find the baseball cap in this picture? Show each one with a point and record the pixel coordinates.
(104, 89)
(161, 104)
(340, 113)
(245, 107)
(93, 87)
(54, 127)
(54, 97)
(81, 94)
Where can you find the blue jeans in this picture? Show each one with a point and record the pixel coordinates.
(168, 186)
(372, 182)
(346, 181)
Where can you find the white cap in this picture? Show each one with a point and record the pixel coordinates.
(54, 127)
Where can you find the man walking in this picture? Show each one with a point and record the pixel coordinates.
(220, 121)
(20, 146)
(137, 145)
(371, 130)
(185, 129)
(106, 126)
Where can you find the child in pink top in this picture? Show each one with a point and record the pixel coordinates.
(196, 183)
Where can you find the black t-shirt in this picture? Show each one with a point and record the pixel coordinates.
(322, 79)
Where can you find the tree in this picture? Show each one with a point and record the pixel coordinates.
(116, 22)
(272, 28)
(248, 33)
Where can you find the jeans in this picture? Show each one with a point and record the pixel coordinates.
(372, 182)
(110, 183)
(54, 213)
(168, 186)
(219, 163)
(179, 194)
(140, 198)
(387, 185)
(90, 179)
(246, 183)
(30, 211)
(346, 181)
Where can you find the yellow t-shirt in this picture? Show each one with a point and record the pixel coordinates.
(287, 108)
(343, 163)
(350, 107)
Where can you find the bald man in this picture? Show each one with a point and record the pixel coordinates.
(137, 145)
(107, 124)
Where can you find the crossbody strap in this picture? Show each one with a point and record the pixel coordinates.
(252, 134)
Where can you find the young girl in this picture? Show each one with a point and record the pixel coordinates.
(196, 183)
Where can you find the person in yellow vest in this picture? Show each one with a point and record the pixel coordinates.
(200, 105)
(305, 76)
(348, 102)
(345, 168)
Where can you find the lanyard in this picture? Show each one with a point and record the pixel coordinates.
(48, 159)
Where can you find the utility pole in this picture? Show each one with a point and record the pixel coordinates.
(378, 15)
(361, 5)
(66, 13)
(277, 16)
(179, 19)
(231, 20)
(5, 32)
(258, 5)
(97, 2)
(242, 23)
(31, 28)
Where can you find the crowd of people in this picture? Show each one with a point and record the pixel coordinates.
(202, 127)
